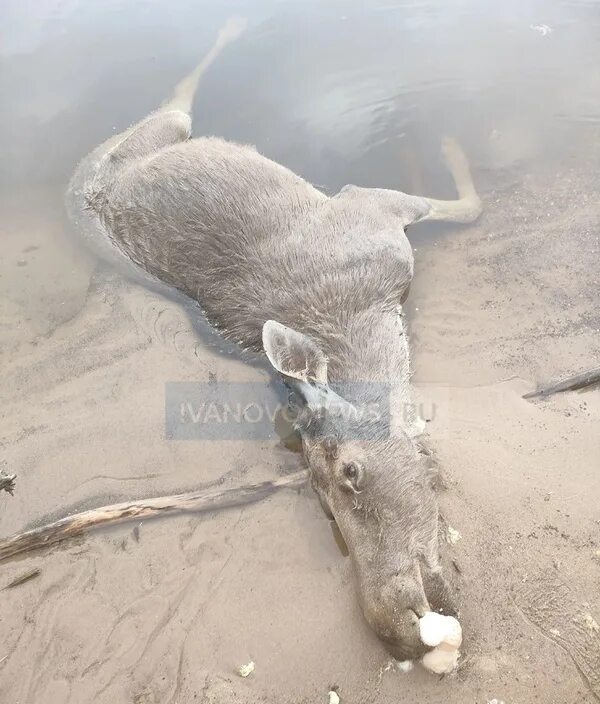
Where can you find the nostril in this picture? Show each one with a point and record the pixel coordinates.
(419, 612)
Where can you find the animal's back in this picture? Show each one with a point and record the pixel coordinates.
(248, 238)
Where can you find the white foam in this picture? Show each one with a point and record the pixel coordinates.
(444, 635)
(442, 659)
(436, 628)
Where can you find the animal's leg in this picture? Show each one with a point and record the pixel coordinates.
(185, 90)
(171, 123)
(468, 206)
(409, 209)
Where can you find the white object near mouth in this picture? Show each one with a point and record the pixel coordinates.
(441, 660)
(444, 635)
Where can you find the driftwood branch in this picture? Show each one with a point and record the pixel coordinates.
(573, 383)
(193, 501)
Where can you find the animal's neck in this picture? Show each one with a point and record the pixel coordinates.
(370, 345)
(368, 358)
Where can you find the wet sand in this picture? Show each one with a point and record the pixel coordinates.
(166, 611)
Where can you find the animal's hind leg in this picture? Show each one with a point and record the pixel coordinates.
(171, 123)
(185, 90)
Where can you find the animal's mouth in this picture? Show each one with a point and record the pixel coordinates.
(403, 650)
(397, 624)
(437, 643)
(419, 612)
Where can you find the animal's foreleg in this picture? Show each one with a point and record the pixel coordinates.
(467, 208)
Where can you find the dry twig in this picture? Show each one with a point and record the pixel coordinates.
(197, 501)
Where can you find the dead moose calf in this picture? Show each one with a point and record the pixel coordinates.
(317, 283)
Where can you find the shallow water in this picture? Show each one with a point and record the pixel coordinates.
(341, 92)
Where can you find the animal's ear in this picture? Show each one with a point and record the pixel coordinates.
(293, 354)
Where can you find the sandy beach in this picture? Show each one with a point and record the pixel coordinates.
(166, 611)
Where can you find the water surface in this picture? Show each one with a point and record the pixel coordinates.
(342, 92)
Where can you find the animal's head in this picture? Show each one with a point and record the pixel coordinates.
(372, 481)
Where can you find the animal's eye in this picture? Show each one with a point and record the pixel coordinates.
(353, 476)
(351, 470)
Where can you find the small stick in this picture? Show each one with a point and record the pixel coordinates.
(573, 383)
(203, 500)
(32, 574)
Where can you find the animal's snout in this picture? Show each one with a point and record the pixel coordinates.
(394, 606)
(405, 643)
(396, 623)
(433, 638)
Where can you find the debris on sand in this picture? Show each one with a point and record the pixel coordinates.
(591, 624)
(402, 666)
(452, 535)
(246, 670)
(32, 574)
(7, 481)
(572, 383)
(334, 697)
(495, 701)
(205, 499)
